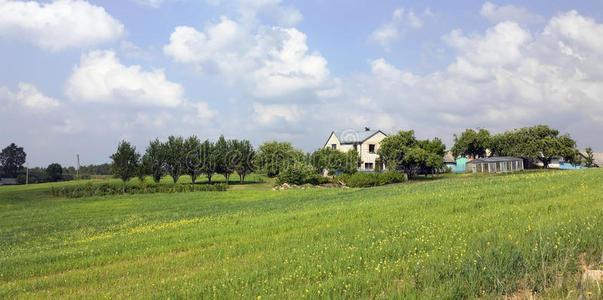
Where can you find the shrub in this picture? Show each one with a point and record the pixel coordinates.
(366, 179)
(297, 174)
(103, 189)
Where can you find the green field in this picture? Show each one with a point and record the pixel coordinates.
(457, 237)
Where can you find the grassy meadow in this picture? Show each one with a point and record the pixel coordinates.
(516, 235)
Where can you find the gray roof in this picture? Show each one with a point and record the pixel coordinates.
(494, 159)
(354, 136)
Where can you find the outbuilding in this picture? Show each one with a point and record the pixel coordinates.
(497, 164)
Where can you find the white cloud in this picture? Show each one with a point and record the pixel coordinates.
(251, 10)
(29, 97)
(501, 45)
(267, 114)
(59, 24)
(100, 77)
(394, 29)
(496, 13)
(273, 61)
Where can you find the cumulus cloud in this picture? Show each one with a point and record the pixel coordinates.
(273, 61)
(59, 24)
(521, 15)
(100, 77)
(402, 20)
(506, 77)
(28, 97)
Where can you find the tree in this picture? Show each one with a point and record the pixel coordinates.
(154, 160)
(174, 156)
(125, 161)
(246, 154)
(351, 161)
(226, 157)
(589, 160)
(537, 143)
(403, 152)
(142, 170)
(12, 159)
(471, 143)
(335, 161)
(192, 159)
(54, 172)
(208, 159)
(274, 157)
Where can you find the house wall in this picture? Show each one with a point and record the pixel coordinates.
(363, 149)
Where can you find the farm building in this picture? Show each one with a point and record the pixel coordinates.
(366, 142)
(494, 165)
(456, 165)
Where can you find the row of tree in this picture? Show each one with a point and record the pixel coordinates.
(537, 143)
(178, 156)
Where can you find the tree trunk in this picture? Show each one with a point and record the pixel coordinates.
(241, 177)
(193, 178)
(209, 178)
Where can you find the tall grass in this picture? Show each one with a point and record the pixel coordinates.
(473, 237)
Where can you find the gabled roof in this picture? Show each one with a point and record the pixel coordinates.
(355, 136)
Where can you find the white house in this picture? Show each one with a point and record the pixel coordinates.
(366, 142)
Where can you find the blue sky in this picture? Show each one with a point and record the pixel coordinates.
(78, 76)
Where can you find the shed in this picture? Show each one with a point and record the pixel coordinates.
(496, 164)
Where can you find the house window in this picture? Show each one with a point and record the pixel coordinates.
(355, 147)
(333, 146)
(368, 166)
(372, 148)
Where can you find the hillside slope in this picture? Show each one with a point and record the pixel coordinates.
(486, 236)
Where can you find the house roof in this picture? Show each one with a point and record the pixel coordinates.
(354, 136)
(448, 157)
(494, 159)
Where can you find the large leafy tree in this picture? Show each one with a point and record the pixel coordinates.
(471, 143)
(537, 143)
(246, 153)
(403, 152)
(54, 172)
(125, 161)
(274, 157)
(12, 159)
(154, 160)
(208, 159)
(174, 156)
(193, 159)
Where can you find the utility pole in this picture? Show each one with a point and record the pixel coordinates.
(78, 167)
(27, 174)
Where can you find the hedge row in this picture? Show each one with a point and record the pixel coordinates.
(365, 179)
(90, 189)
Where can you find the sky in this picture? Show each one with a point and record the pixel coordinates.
(76, 76)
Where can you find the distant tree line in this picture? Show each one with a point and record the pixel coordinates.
(178, 156)
(538, 143)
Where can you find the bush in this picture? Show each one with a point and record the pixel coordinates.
(21, 179)
(298, 173)
(366, 179)
(105, 188)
